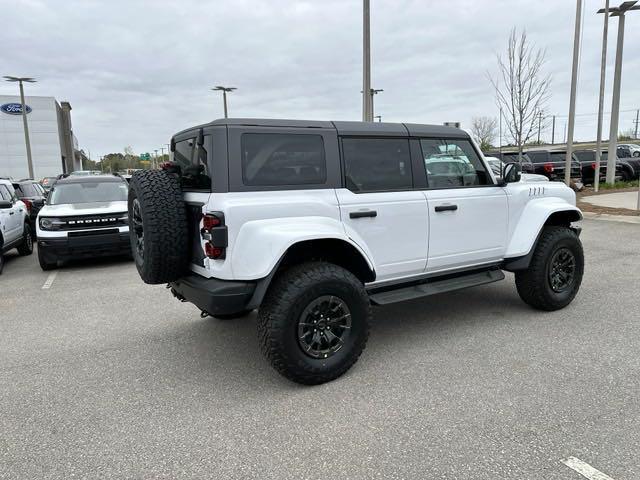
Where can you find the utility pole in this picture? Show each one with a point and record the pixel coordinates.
(224, 91)
(603, 70)
(617, 77)
(553, 130)
(635, 135)
(156, 160)
(373, 92)
(367, 97)
(500, 134)
(20, 81)
(539, 125)
(572, 97)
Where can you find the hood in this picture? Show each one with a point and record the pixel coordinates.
(533, 178)
(74, 209)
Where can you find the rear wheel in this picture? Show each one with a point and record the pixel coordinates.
(314, 322)
(158, 226)
(555, 273)
(26, 247)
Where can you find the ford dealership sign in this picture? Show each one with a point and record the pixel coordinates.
(13, 108)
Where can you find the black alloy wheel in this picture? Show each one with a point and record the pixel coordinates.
(562, 268)
(324, 326)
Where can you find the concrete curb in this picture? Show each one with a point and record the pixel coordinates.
(611, 218)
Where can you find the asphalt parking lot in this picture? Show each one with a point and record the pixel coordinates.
(102, 376)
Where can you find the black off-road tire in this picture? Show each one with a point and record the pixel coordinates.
(534, 285)
(164, 253)
(232, 316)
(281, 310)
(26, 247)
(44, 265)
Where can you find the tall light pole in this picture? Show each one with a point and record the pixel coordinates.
(572, 97)
(617, 76)
(603, 70)
(20, 81)
(367, 97)
(224, 91)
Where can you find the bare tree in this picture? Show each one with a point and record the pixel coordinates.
(522, 88)
(483, 130)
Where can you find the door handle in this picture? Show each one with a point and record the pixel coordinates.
(446, 208)
(11, 213)
(363, 214)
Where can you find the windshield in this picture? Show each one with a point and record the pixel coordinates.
(90, 192)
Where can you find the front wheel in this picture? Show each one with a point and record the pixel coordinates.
(44, 265)
(555, 273)
(314, 322)
(26, 247)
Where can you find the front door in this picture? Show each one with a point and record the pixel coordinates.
(380, 208)
(11, 219)
(468, 212)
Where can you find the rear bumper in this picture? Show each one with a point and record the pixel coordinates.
(87, 246)
(214, 296)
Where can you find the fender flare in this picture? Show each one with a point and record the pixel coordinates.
(525, 236)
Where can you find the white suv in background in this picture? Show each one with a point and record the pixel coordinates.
(15, 231)
(85, 216)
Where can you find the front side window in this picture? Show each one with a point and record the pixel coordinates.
(377, 164)
(452, 163)
(273, 159)
(89, 192)
(4, 193)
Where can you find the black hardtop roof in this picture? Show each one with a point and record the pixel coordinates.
(343, 127)
(90, 179)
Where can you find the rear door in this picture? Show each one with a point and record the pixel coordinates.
(380, 206)
(467, 212)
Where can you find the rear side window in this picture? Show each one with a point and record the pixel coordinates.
(193, 162)
(4, 193)
(377, 164)
(452, 163)
(273, 159)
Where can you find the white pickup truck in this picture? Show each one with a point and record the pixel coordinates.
(313, 222)
(15, 229)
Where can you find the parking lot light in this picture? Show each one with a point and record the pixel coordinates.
(224, 91)
(21, 80)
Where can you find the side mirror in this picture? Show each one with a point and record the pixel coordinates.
(4, 204)
(512, 173)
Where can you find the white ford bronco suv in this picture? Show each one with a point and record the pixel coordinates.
(312, 222)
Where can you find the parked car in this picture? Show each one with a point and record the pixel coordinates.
(629, 163)
(313, 222)
(587, 159)
(513, 157)
(551, 164)
(634, 148)
(15, 231)
(85, 216)
(32, 195)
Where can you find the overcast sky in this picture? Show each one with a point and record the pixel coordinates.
(135, 72)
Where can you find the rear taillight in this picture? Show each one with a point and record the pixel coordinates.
(548, 168)
(214, 231)
(593, 165)
(28, 204)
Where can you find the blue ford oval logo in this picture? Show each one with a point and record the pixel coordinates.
(14, 108)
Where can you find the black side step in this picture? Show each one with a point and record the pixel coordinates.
(434, 286)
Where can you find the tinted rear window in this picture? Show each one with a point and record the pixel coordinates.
(377, 164)
(538, 157)
(272, 159)
(26, 190)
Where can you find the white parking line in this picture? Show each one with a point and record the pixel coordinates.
(585, 469)
(50, 279)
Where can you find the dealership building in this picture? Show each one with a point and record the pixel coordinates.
(54, 147)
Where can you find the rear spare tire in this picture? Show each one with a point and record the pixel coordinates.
(158, 226)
